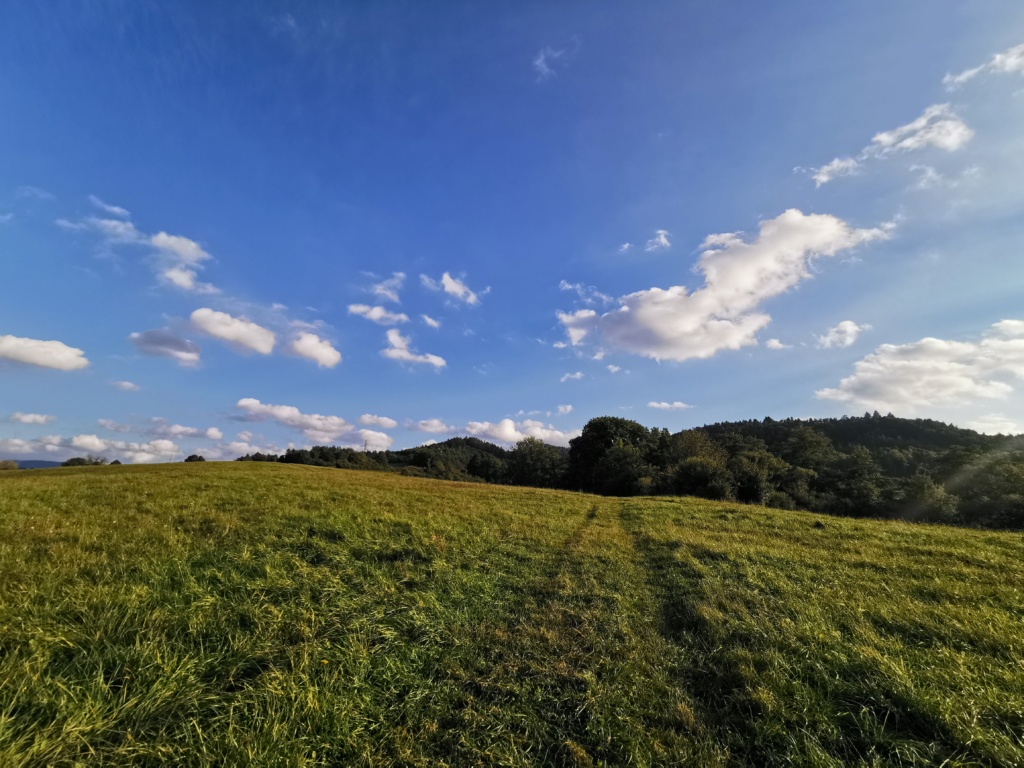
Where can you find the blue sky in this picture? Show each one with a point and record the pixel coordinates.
(237, 227)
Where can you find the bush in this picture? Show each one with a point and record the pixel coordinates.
(194, 457)
(8, 465)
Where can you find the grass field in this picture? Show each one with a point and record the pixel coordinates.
(275, 615)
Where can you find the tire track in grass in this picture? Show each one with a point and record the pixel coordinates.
(578, 675)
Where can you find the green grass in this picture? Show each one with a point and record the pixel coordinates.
(277, 615)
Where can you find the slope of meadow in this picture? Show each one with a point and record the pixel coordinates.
(279, 615)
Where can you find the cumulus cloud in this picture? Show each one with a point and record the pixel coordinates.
(372, 420)
(843, 335)
(163, 428)
(388, 289)
(776, 344)
(938, 127)
(675, 324)
(662, 406)
(113, 210)
(31, 418)
(564, 409)
(378, 314)
(163, 342)
(434, 426)
(126, 386)
(431, 321)
(571, 377)
(45, 354)
(1010, 61)
(453, 287)
(509, 431)
(316, 427)
(398, 349)
(933, 373)
(625, 247)
(312, 347)
(659, 242)
(613, 368)
(133, 453)
(239, 331)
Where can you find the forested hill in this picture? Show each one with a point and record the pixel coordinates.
(870, 466)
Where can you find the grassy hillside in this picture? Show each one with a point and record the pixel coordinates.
(279, 615)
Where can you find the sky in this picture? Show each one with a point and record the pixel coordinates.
(239, 227)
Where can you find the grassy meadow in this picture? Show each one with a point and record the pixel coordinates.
(280, 615)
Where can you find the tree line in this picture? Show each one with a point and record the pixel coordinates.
(870, 466)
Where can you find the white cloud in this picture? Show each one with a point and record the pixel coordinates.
(312, 347)
(372, 420)
(933, 373)
(843, 335)
(388, 289)
(588, 294)
(995, 424)
(659, 242)
(164, 343)
(239, 331)
(398, 349)
(564, 409)
(316, 427)
(571, 377)
(674, 324)
(113, 230)
(378, 314)
(431, 321)
(113, 210)
(134, 453)
(776, 344)
(625, 247)
(1009, 61)
(185, 278)
(676, 406)
(162, 428)
(453, 287)
(374, 441)
(841, 166)
(434, 426)
(938, 127)
(613, 368)
(46, 354)
(509, 431)
(126, 386)
(31, 418)
(183, 249)
(543, 61)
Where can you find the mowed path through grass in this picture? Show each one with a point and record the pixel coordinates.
(277, 615)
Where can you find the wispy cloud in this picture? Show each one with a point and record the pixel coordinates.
(1010, 61)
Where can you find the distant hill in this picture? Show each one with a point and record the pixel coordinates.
(870, 466)
(32, 464)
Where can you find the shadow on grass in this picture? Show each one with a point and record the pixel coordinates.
(876, 721)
